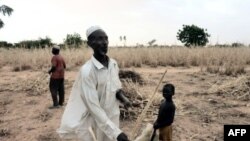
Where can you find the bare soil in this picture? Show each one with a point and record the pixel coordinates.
(200, 115)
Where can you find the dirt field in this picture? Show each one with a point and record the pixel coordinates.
(200, 116)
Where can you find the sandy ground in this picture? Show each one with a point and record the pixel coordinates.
(199, 116)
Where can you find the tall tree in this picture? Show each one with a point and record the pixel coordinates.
(193, 36)
(5, 10)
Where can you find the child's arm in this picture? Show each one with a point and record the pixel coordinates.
(156, 123)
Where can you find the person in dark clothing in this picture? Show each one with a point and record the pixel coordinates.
(56, 72)
(166, 114)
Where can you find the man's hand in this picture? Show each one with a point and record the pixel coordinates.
(155, 126)
(53, 68)
(127, 105)
(123, 99)
(122, 137)
(49, 72)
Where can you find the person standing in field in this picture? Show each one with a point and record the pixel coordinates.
(56, 72)
(95, 96)
(166, 114)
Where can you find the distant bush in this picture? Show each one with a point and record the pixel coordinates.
(40, 43)
(5, 44)
(29, 44)
(74, 40)
(222, 45)
(236, 44)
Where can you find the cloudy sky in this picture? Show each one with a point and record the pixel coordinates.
(139, 20)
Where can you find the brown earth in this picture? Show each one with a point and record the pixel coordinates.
(200, 116)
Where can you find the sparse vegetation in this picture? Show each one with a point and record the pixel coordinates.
(4, 132)
(45, 115)
(230, 70)
(48, 136)
(237, 88)
(130, 75)
(228, 61)
(205, 100)
(138, 100)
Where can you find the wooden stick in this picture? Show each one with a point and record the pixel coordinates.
(92, 134)
(139, 119)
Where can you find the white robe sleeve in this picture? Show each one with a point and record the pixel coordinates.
(72, 115)
(91, 100)
(117, 80)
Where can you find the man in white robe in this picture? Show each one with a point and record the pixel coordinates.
(95, 96)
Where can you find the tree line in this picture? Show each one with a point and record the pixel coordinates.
(71, 41)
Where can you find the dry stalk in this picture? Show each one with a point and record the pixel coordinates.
(4, 132)
(45, 115)
(238, 88)
(138, 101)
(139, 119)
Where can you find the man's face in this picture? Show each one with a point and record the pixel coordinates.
(99, 42)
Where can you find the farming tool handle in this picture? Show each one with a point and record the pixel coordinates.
(153, 135)
(139, 119)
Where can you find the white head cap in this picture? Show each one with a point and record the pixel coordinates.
(56, 47)
(92, 29)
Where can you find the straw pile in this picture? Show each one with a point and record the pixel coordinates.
(138, 101)
(238, 88)
(32, 86)
(131, 75)
(37, 86)
(131, 81)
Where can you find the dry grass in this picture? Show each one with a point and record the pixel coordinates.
(215, 60)
(175, 57)
(49, 135)
(138, 100)
(4, 132)
(230, 70)
(238, 88)
(38, 86)
(37, 59)
(5, 101)
(131, 75)
(45, 115)
(31, 102)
